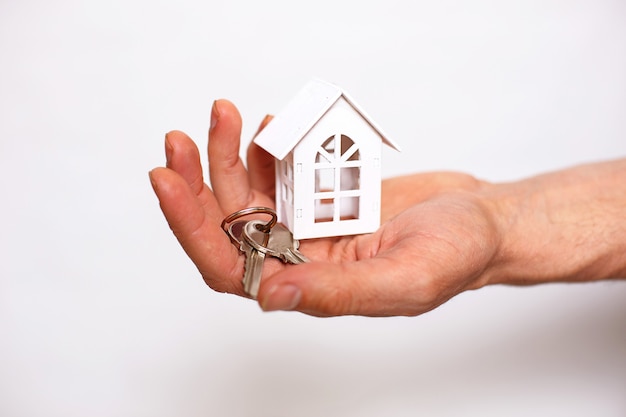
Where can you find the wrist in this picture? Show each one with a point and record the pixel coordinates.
(564, 226)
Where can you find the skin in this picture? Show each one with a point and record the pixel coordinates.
(442, 233)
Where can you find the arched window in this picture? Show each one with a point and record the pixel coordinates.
(337, 180)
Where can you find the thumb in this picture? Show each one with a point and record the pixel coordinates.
(371, 287)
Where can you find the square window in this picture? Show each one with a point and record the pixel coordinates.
(324, 180)
(287, 194)
(284, 168)
(350, 179)
(324, 210)
(349, 208)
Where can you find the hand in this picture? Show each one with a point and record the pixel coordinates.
(442, 233)
(436, 240)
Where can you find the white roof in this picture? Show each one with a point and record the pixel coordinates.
(289, 126)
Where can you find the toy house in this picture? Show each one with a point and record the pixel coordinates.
(328, 163)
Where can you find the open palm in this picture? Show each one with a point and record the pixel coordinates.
(437, 237)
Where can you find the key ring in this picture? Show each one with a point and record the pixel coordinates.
(245, 212)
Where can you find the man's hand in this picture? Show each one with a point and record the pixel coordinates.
(442, 233)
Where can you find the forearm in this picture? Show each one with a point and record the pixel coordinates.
(563, 226)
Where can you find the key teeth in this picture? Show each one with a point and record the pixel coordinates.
(285, 250)
(295, 257)
(254, 262)
(246, 283)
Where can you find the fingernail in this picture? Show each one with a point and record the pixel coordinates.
(215, 114)
(152, 181)
(168, 150)
(268, 118)
(282, 297)
(264, 123)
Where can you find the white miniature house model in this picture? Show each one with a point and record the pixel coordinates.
(328, 163)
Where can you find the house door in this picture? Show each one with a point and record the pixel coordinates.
(337, 180)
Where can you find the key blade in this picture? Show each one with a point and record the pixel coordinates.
(253, 270)
(294, 256)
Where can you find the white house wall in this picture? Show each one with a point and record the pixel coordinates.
(284, 207)
(341, 118)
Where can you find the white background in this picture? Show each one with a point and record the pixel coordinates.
(101, 312)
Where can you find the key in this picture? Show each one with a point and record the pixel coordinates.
(253, 266)
(281, 243)
(281, 240)
(234, 232)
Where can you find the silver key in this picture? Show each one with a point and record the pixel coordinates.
(281, 243)
(253, 269)
(253, 266)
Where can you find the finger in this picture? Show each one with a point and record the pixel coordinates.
(229, 178)
(183, 157)
(200, 236)
(373, 287)
(268, 118)
(261, 169)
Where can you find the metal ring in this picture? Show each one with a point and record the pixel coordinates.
(252, 210)
(232, 235)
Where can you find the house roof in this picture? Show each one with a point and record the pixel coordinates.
(289, 126)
